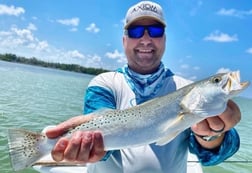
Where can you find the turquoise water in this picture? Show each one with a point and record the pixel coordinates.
(34, 97)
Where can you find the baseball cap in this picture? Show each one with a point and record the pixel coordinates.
(144, 9)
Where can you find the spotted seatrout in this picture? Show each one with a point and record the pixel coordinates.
(155, 121)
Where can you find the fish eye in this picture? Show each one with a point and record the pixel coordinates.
(216, 79)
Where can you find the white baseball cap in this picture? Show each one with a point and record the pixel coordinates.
(144, 9)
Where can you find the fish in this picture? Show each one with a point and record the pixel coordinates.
(155, 121)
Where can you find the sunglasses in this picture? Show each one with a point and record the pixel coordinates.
(137, 31)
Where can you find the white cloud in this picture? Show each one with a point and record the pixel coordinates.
(93, 61)
(32, 27)
(108, 44)
(39, 46)
(196, 67)
(25, 34)
(249, 50)
(11, 10)
(75, 54)
(234, 12)
(196, 7)
(193, 78)
(5, 33)
(74, 29)
(69, 22)
(218, 36)
(34, 18)
(116, 55)
(42, 45)
(22, 40)
(92, 28)
(223, 70)
(184, 66)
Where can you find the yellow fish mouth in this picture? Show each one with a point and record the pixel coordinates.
(233, 83)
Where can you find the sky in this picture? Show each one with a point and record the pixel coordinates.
(204, 37)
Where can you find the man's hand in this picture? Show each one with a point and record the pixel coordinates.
(219, 124)
(82, 147)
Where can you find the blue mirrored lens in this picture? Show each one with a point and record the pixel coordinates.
(153, 31)
(156, 31)
(136, 31)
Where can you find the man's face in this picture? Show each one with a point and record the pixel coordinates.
(144, 54)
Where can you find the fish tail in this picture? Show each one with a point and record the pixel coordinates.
(24, 148)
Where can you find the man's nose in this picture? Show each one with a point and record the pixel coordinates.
(145, 39)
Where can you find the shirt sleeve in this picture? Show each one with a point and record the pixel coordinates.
(228, 148)
(96, 98)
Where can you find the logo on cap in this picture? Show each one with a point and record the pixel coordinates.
(145, 7)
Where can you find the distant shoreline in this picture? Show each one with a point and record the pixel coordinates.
(36, 62)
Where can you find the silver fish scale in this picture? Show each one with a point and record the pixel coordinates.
(110, 120)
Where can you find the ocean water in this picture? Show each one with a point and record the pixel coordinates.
(34, 97)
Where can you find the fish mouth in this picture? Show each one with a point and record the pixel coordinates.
(233, 83)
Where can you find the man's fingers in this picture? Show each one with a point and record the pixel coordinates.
(231, 116)
(216, 124)
(59, 149)
(72, 150)
(209, 127)
(85, 147)
(97, 151)
(201, 128)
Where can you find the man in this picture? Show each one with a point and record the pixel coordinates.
(143, 78)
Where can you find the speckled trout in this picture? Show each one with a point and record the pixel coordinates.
(156, 121)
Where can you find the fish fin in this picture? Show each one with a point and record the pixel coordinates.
(167, 139)
(24, 148)
(168, 125)
(179, 117)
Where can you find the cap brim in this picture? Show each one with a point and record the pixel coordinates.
(143, 17)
